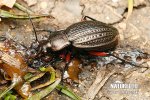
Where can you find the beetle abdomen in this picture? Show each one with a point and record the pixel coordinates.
(93, 35)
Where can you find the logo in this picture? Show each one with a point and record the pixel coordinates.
(119, 87)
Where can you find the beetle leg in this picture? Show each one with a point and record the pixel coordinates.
(125, 61)
(68, 57)
(98, 53)
(103, 54)
(67, 60)
(87, 17)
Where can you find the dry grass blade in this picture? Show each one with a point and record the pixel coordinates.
(130, 8)
(16, 79)
(6, 14)
(22, 8)
(98, 83)
(45, 92)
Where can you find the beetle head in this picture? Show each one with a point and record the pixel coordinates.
(58, 40)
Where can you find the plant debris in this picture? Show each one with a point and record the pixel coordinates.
(6, 14)
(7, 3)
(74, 70)
(89, 75)
(24, 81)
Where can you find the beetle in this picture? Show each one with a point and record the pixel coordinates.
(92, 36)
(89, 35)
(95, 37)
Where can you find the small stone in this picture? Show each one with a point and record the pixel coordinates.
(43, 5)
(12, 26)
(7, 3)
(135, 37)
(31, 2)
(66, 75)
(115, 1)
(121, 37)
(123, 26)
(148, 63)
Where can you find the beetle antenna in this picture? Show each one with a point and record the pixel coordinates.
(36, 38)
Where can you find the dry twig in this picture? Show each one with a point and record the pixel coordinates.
(100, 81)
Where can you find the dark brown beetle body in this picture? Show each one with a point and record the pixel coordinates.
(91, 36)
(87, 35)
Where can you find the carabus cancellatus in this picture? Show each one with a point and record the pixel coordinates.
(89, 35)
(92, 36)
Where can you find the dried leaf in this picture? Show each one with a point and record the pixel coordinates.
(13, 65)
(45, 92)
(15, 81)
(22, 8)
(23, 89)
(74, 69)
(51, 80)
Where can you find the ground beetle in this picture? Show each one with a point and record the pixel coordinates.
(95, 37)
(89, 35)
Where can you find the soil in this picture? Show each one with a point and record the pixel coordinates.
(108, 79)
